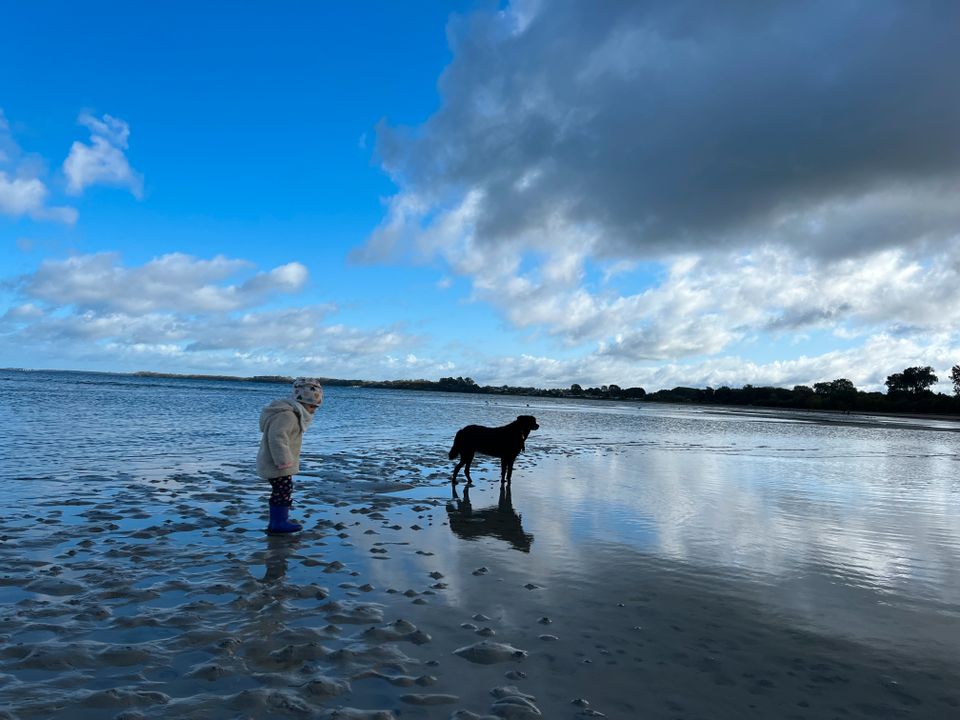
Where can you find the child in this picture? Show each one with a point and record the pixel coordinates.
(283, 423)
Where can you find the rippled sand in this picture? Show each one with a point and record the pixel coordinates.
(162, 598)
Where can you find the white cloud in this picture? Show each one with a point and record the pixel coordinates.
(103, 161)
(700, 306)
(185, 318)
(705, 308)
(293, 330)
(22, 192)
(111, 129)
(348, 341)
(181, 312)
(88, 328)
(27, 311)
(171, 282)
(703, 303)
(21, 196)
(867, 366)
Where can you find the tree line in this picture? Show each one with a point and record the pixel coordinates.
(908, 391)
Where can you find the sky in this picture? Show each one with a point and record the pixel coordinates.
(544, 192)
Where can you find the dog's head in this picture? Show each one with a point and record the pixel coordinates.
(527, 423)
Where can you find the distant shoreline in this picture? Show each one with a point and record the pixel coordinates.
(229, 378)
(918, 406)
(458, 384)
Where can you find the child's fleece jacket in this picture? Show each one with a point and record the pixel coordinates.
(282, 423)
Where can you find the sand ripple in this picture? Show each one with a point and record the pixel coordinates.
(486, 652)
(121, 698)
(429, 699)
(325, 687)
(353, 613)
(347, 713)
(139, 599)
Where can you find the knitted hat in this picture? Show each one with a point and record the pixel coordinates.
(308, 391)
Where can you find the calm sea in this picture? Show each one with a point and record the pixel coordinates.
(850, 523)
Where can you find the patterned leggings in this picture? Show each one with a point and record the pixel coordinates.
(282, 489)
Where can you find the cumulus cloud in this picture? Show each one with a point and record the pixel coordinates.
(22, 191)
(867, 366)
(703, 303)
(673, 125)
(27, 311)
(88, 328)
(171, 282)
(296, 329)
(659, 184)
(189, 313)
(19, 196)
(702, 308)
(103, 161)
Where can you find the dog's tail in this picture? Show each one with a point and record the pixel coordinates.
(455, 450)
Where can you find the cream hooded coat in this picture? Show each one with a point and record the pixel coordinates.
(282, 423)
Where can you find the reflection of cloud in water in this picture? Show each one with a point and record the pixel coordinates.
(850, 544)
(765, 514)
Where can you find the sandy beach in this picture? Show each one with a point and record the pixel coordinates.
(659, 562)
(130, 598)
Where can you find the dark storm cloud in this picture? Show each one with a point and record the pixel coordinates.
(832, 126)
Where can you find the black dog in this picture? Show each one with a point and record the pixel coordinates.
(504, 442)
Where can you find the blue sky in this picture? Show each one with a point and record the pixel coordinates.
(653, 194)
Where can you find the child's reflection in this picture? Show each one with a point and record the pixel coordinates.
(279, 549)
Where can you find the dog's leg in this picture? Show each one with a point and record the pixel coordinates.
(467, 458)
(503, 469)
(456, 469)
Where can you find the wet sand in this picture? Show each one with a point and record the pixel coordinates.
(162, 597)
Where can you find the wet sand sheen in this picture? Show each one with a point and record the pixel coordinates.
(135, 599)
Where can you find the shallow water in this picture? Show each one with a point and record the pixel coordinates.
(691, 562)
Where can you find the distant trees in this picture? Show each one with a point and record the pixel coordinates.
(911, 394)
(839, 393)
(912, 381)
(457, 384)
(605, 392)
(834, 388)
(907, 392)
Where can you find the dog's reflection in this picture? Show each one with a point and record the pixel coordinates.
(499, 521)
(279, 548)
